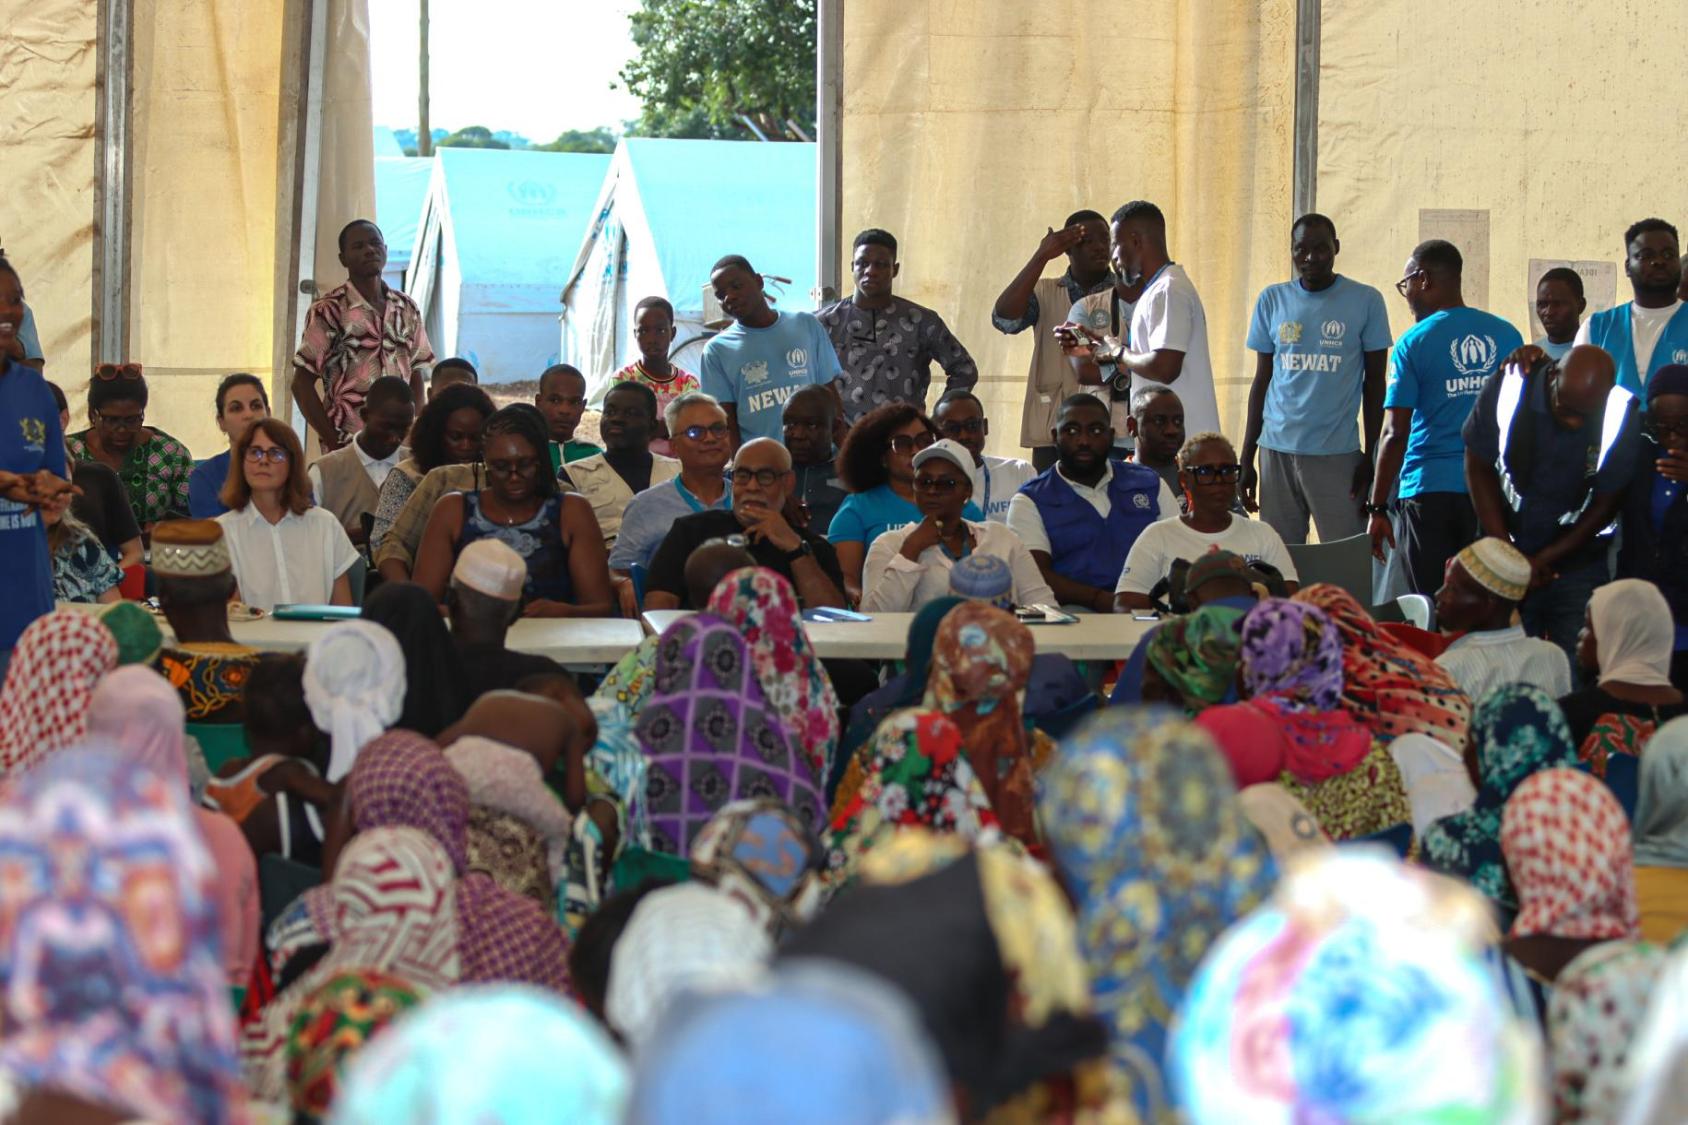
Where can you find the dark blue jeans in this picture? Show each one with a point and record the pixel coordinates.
(1555, 612)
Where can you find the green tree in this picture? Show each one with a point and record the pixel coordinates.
(581, 140)
(705, 66)
(474, 136)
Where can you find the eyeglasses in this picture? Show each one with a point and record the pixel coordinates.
(965, 426)
(903, 443)
(767, 478)
(274, 454)
(698, 433)
(1207, 474)
(1660, 428)
(520, 467)
(937, 484)
(106, 372)
(118, 421)
(1401, 286)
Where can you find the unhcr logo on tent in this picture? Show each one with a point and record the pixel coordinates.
(532, 198)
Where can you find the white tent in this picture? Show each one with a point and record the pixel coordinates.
(668, 210)
(401, 186)
(497, 233)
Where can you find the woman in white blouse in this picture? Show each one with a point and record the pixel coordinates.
(910, 566)
(284, 550)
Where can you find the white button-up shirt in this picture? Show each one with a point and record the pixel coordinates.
(892, 583)
(292, 562)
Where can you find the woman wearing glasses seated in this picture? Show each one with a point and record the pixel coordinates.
(876, 465)
(154, 466)
(910, 566)
(1208, 472)
(285, 551)
(555, 533)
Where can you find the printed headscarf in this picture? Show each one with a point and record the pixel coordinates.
(503, 779)
(1291, 662)
(354, 686)
(1284, 822)
(111, 976)
(763, 607)
(403, 780)
(981, 661)
(629, 681)
(1251, 741)
(914, 773)
(1386, 684)
(710, 736)
(332, 1025)
(503, 1053)
(819, 1040)
(44, 703)
(1567, 848)
(135, 710)
(505, 936)
(1197, 654)
(761, 853)
(1661, 805)
(1518, 730)
(1655, 1074)
(1359, 993)
(1593, 1015)
(1142, 821)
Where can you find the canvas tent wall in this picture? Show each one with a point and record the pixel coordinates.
(401, 187)
(667, 212)
(498, 230)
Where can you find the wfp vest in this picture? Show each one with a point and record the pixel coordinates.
(1083, 546)
(1613, 330)
(1515, 468)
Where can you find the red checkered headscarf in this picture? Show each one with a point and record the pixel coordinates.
(1567, 843)
(44, 704)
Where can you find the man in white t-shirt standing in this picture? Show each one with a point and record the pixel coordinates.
(1209, 470)
(1645, 334)
(1168, 341)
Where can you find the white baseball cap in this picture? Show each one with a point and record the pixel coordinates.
(956, 454)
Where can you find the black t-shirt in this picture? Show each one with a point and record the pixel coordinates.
(668, 565)
(495, 668)
(104, 505)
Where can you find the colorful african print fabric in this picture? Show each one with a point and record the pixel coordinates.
(1291, 663)
(334, 1023)
(82, 571)
(710, 736)
(44, 703)
(762, 854)
(1593, 1016)
(210, 678)
(508, 937)
(629, 682)
(111, 974)
(1197, 654)
(1518, 730)
(512, 853)
(1387, 685)
(402, 780)
(1142, 820)
(154, 473)
(1368, 799)
(762, 606)
(1566, 843)
(1615, 734)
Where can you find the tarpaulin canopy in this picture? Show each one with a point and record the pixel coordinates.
(401, 187)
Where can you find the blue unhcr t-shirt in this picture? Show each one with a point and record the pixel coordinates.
(1555, 352)
(758, 369)
(1437, 370)
(865, 516)
(1318, 344)
(30, 439)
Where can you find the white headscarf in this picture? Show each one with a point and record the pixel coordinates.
(684, 938)
(1434, 777)
(354, 685)
(1633, 633)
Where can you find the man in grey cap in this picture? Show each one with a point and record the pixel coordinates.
(484, 597)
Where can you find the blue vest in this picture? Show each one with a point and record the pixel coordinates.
(1614, 331)
(1082, 545)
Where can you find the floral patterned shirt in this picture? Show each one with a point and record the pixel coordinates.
(155, 474)
(347, 347)
(82, 571)
(680, 382)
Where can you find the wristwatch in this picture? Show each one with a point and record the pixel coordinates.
(1375, 509)
(801, 551)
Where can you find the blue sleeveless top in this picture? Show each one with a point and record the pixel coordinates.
(539, 541)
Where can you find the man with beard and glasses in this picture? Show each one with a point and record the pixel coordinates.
(1650, 331)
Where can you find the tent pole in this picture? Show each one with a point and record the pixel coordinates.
(305, 26)
(829, 149)
(1308, 17)
(112, 181)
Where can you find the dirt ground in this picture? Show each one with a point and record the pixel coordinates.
(503, 394)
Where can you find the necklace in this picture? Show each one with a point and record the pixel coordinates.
(504, 521)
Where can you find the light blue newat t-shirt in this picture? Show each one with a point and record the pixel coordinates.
(759, 369)
(1318, 344)
(1437, 370)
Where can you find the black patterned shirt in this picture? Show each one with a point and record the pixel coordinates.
(888, 354)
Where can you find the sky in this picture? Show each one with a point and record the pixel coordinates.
(535, 67)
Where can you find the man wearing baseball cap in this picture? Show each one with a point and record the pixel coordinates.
(1479, 598)
(910, 566)
(483, 598)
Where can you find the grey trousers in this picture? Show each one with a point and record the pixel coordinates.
(1294, 486)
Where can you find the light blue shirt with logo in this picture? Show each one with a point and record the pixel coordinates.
(649, 515)
(1437, 370)
(759, 369)
(1318, 344)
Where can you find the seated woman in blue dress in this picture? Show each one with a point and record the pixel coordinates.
(555, 533)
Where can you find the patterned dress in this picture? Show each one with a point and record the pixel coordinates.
(210, 678)
(82, 571)
(680, 382)
(155, 474)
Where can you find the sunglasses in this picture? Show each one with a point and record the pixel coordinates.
(1207, 474)
(767, 478)
(903, 443)
(520, 467)
(698, 433)
(274, 454)
(940, 485)
(107, 372)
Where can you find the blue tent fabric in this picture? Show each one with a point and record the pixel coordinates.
(518, 217)
(401, 186)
